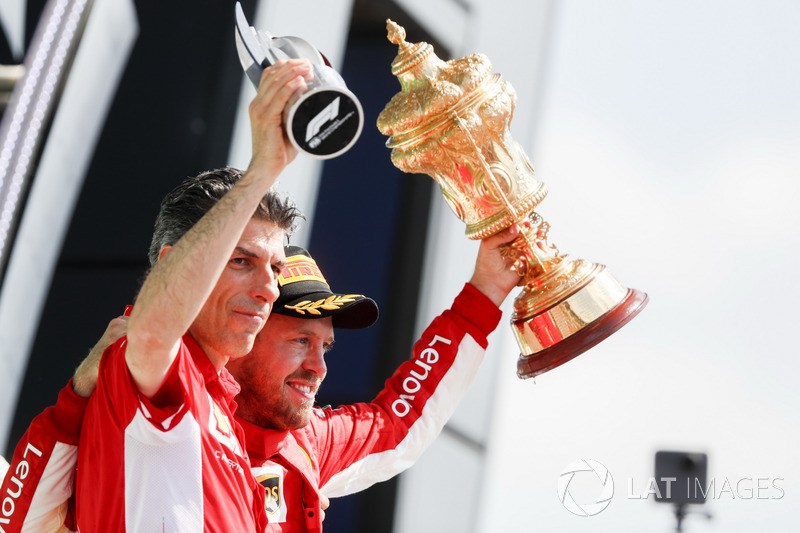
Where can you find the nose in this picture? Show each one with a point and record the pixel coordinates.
(315, 361)
(266, 287)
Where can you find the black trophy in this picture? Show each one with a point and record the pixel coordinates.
(325, 120)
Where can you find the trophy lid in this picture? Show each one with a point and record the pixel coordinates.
(429, 86)
(410, 55)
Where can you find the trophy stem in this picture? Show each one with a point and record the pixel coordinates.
(535, 260)
(566, 306)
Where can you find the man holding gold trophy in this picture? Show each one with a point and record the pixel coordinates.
(451, 120)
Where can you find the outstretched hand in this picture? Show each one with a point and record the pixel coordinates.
(493, 275)
(272, 150)
(85, 379)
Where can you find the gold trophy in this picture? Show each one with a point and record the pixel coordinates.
(451, 120)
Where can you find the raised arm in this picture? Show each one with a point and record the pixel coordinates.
(363, 444)
(184, 277)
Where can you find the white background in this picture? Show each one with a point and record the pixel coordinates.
(669, 134)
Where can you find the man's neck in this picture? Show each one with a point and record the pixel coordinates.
(217, 359)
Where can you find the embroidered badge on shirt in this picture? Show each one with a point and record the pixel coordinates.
(221, 427)
(271, 484)
(270, 476)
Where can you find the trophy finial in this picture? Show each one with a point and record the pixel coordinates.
(409, 55)
(396, 33)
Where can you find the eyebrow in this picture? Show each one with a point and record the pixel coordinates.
(310, 333)
(244, 251)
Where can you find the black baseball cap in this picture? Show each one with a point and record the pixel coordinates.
(304, 293)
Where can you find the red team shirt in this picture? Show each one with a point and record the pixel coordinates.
(340, 452)
(175, 463)
(348, 449)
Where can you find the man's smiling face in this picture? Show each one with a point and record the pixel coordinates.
(282, 374)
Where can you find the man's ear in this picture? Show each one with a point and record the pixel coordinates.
(164, 249)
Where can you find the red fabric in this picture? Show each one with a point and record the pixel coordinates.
(60, 423)
(229, 494)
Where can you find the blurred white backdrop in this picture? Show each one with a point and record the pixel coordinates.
(669, 134)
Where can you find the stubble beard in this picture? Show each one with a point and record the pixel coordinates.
(285, 416)
(274, 411)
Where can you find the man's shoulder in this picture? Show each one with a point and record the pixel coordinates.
(113, 357)
(116, 387)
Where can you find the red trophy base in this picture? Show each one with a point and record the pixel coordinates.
(529, 366)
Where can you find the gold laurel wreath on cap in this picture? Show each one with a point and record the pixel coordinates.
(332, 303)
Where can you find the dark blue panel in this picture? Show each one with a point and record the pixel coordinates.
(356, 219)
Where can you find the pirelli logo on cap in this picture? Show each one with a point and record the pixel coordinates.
(300, 268)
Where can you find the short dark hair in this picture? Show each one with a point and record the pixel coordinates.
(195, 196)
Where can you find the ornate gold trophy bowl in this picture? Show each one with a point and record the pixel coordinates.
(451, 121)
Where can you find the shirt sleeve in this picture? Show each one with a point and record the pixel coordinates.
(41, 477)
(362, 444)
(116, 383)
